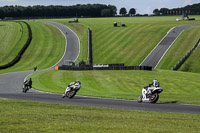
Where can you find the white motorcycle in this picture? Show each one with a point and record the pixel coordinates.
(150, 94)
(70, 91)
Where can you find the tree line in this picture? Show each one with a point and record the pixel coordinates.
(123, 12)
(86, 10)
(189, 9)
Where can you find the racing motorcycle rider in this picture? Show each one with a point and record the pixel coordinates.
(155, 83)
(28, 83)
(76, 84)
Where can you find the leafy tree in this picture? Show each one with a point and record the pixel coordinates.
(88, 10)
(2, 14)
(164, 11)
(106, 13)
(123, 11)
(113, 9)
(132, 12)
(156, 12)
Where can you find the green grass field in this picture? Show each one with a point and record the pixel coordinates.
(129, 45)
(114, 84)
(46, 48)
(192, 64)
(13, 36)
(22, 117)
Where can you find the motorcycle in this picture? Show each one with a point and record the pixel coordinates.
(70, 91)
(150, 94)
(26, 87)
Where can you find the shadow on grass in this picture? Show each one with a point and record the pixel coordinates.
(170, 102)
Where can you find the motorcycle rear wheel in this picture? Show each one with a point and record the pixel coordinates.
(71, 94)
(154, 98)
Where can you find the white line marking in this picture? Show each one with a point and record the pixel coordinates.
(167, 49)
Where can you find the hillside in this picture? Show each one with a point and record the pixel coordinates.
(131, 44)
(179, 49)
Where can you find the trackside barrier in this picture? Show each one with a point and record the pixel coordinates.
(180, 63)
(18, 57)
(89, 67)
(89, 57)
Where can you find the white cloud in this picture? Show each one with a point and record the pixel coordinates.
(148, 10)
(8, 0)
(188, 2)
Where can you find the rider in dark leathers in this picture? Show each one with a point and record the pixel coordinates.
(28, 83)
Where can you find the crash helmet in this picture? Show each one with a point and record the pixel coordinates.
(156, 83)
(78, 81)
(155, 80)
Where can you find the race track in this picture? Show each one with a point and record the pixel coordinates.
(72, 44)
(11, 84)
(159, 51)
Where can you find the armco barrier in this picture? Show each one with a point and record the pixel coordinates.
(18, 57)
(180, 63)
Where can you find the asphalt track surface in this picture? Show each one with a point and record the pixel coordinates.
(11, 88)
(72, 43)
(159, 51)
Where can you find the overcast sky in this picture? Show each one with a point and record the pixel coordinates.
(142, 6)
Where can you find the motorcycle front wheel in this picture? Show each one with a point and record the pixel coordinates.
(63, 96)
(154, 98)
(140, 99)
(25, 89)
(71, 94)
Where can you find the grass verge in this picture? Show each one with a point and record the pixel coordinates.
(23, 116)
(184, 43)
(179, 87)
(13, 36)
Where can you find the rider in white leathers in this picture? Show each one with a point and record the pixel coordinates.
(155, 83)
(76, 84)
(150, 92)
